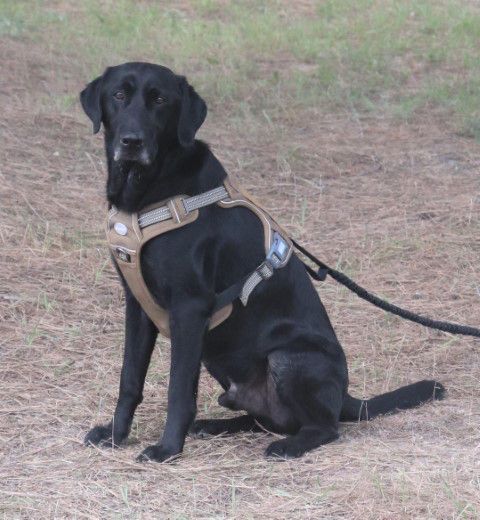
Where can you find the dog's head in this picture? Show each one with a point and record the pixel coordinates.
(146, 110)
(143, 107)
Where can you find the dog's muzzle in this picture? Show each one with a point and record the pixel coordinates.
(140, 156)
(131, 147)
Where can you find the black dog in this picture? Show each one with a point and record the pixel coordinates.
(277, 358)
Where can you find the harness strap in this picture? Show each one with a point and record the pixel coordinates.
(263, 272)
(244, 287)
(229, 295)
(189, 204)
(277, 257)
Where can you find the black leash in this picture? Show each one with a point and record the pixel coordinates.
(324, 270)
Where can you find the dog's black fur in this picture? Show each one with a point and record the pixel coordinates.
(278, 358)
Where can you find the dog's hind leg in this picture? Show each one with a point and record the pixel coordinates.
(243, 423)
(308, 438)
(311, 385)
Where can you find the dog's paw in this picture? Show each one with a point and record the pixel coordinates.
(156, 453)
(102, 436)
(202, 429)
(285, 449)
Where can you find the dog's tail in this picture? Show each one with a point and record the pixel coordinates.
(403, 398)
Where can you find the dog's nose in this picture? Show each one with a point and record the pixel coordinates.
(131, 140)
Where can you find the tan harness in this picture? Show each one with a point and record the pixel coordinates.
(127, 233)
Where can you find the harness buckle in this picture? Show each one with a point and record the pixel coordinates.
(177, 209)
(265, 269)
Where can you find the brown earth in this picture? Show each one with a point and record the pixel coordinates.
(395, 205)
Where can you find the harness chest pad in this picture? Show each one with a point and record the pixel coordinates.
(128, 232)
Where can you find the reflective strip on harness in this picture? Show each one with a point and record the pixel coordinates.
(189, 203)
(276, 258)
(154, 216)
(263, 272)
(205, 199)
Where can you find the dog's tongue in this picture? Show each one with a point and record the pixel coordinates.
(133, 176)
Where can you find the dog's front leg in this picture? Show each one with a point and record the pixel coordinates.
(140, 336)
(188, 324)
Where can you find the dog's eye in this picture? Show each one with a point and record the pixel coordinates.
(119, 95)
(159, 100)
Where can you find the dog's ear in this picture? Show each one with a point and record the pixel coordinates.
(193, 111)
(90, 99)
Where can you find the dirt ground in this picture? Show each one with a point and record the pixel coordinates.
(396, 205)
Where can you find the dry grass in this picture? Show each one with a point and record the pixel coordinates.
(396, 205)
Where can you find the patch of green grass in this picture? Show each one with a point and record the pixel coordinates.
(18, 18)
(360, 55)
(81, 239)
(33, 334)
(464, 508)
(45, 302)
(13, 18)
(62, 102)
